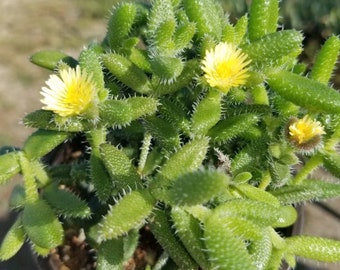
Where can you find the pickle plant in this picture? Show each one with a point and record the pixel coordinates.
(204, 132)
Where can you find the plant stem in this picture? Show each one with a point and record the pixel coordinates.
(310, 165)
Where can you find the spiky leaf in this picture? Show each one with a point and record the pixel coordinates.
(231, 127)
(315, 248)
(100, 177)
(331, 161)
(225, 250)
(129, 213)
(326, 60)
(207, 113)
(89, 61)
(127, 72)
(190, 232)
(111, 254)
(50, 59)
(123, 173)
(206, 15)
(197, 187)
(305, 92)
(271, 50)
(161, 228)
(47, 120)
(42, 142)
(13, 241)
(9, 166)
(263, 18)
(186, 159)
(65, 202)
(120, 24)
(41, 225)
(309, 189)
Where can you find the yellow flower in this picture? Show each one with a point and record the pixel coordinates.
(305, 130)
(69, 94)
(225, 66)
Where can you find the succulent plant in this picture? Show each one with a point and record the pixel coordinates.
(201, 131)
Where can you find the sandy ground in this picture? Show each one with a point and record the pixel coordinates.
(31, 25)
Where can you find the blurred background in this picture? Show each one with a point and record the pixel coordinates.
(28, 26)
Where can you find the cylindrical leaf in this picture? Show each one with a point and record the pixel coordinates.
(120, 24)
(263, 18)
(41, 225)
(275, 48)
(42, 142)
(226, 251)
(326, 60)
(129, 213)
(124, 175)
(9, 166)
(315, 248)
(127, 72)
(305, 92)
(207, 113)
(13, 241)
(51, 59)
(197, 187)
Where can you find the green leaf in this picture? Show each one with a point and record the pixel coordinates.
(186, 159)
(207, 16)
(226, 251)
(309, 189)
(120, 24)
(260, 213)
(127, 72)
(49, 121)
(166, 68)
(9, 166)
(42, 142)
(111, 255)
(166, 135)
(207, 113)
(197, 187)
(51, 59)
(100, 177)
(257, 194)
(331, 162)
(13, 241)
(183, 35)
(190, 69)
(162, 230)
(162, 38)
(240, 29)
(17, 199)
(232, 127)
(326, 60)
(315, 248)
(89, 60)
(305, 92)
(65, 202)
(129, 213)
(124, 175)
(123, 112)
(261, 249)
(263, 18)
(274, 49)
(190, 232)
(140, 59)
(175, 113)
(41, 225)
(161, 11)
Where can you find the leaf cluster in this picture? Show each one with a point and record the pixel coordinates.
(212, 176)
